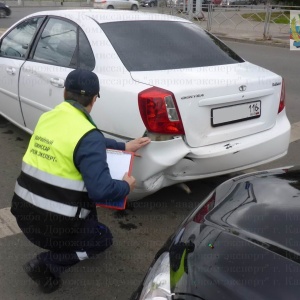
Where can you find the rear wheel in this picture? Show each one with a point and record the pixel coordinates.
(2, 13)
(110, 7)
(151, 4)
(134, 7)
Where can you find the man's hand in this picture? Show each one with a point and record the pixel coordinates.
(130, 180)
(136, 144)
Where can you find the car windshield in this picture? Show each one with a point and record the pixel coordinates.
(166, 45)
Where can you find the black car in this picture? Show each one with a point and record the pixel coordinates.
(150, 3)
(4, 10)
(242, 242)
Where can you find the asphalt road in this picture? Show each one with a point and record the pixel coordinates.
(140, 230)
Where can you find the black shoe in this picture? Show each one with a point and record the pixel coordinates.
(41, 274)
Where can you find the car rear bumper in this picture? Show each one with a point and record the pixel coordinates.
(170, 162)
(237, 154)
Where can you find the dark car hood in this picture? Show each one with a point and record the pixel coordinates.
(247, 247)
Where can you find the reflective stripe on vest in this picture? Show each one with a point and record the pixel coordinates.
(82, 255)
(75, 185)
(49, 205)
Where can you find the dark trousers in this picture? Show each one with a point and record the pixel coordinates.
(63, 254)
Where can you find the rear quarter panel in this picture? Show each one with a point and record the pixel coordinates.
(116, 111)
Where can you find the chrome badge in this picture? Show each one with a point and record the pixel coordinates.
(242, 88)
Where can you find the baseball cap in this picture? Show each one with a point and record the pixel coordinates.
(83, 82)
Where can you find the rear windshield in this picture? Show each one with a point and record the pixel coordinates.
(165, 45)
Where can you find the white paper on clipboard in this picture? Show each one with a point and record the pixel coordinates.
(119, 162)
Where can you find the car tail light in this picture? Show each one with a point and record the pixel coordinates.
(159, 111)
(282, 97)
(204, 210)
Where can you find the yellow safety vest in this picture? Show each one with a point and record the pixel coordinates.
(50, 180)
(54, 140)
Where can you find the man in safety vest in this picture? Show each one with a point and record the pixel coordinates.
(64, 174)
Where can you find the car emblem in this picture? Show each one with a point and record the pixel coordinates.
(242, 88)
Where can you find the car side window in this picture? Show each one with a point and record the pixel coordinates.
(86, 55)
(57, 43)
(16, 43)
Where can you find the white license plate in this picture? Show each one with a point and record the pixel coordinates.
(235, 113)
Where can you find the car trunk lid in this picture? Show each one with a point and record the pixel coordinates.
(220, 103)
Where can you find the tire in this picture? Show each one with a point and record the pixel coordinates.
(2, 13)
(151, 4)
(134, 7)
(110, 7)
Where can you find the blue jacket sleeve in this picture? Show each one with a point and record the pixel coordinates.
(90, 159)
(112, 144)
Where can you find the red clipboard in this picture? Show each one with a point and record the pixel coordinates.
(119, 162)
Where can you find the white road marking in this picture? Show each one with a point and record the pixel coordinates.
(9, 226)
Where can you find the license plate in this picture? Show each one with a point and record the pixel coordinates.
(235, 113)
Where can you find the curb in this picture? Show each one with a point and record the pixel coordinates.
(272, 43)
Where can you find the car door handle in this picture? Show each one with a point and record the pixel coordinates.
(57, 82)
(11, 71)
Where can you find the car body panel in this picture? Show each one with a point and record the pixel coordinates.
(116, 4)
(9, 91)
(114, 76)
(46, 96)
(244, 246)
(148, 3)
(236, 269)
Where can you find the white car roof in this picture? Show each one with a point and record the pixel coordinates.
(105, 15)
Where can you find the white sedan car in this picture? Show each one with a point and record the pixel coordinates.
(116, 4)
(207, 111)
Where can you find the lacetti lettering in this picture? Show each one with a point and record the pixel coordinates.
(276, 83)
(192, 96)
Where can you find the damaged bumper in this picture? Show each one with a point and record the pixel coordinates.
(165, 163)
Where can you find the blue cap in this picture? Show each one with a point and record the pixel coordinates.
(82, 82)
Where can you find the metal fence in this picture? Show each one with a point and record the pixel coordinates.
(260, 21)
